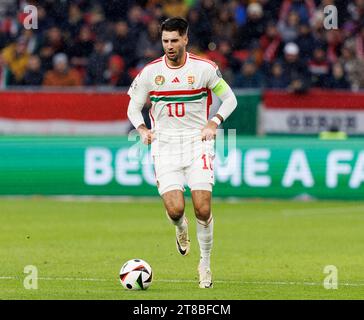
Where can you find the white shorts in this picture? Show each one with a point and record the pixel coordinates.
(174, 172)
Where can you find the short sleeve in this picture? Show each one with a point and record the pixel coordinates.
(139, 89)
(214, 76)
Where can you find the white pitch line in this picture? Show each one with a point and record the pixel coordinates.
(60, 279)
(292, 283)
(74, 279)
(265, 282)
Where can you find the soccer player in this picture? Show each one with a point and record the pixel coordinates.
(179, 86)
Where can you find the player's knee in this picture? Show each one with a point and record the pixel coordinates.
(203, 212)
(176, 212)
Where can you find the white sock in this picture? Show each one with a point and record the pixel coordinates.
(205, 231)
(181, 223)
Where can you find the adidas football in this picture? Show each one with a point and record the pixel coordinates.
(136, 274)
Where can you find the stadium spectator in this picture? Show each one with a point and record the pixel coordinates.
(218, 57)
(304, 8)
(295, 70)
(15, 58)
(224, 25)
(357, 43)
(354, 68)
(319, 67)
(97, 64)
(98, 23)
(271, 8)
(249, 76)
(136, 26)
(10, 24)
(174, 8)
(116, 75)
(334, 43)
(123, 44)
(239, 12)
(289, 28)
(75, 20)
(61, 75)
(32, 39)
(155, 10)
(275, 79)
(3, 39)
(115, 9)
(317, 26)
(3, 73)
(209, 8)
(337, 79)
(45, 20)
(200, 30)
(270, 43)
(224, 57)
(149, 46)
(34, 74)
(53, 43)
(58, 10)
(85, 5)
(348, 30)
(82, 48)
(7, 6)
(305, 41)
(356, 10)
(249, 34)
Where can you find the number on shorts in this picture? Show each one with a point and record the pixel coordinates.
(205, 167)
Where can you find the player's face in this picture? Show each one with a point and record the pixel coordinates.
(174, 45)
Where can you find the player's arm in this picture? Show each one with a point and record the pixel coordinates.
(138, 93)
(229, 102)
(228, 105)
(136, 118)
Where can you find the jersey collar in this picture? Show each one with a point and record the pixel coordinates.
(179, 67)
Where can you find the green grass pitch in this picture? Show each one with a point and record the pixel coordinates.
(262, 250)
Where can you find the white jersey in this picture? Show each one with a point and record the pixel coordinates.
(180, 97)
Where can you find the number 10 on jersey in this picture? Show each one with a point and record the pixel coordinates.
(176, 109)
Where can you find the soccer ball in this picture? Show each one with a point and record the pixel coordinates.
(136, 274)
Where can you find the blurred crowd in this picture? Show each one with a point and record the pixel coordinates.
(279, 44)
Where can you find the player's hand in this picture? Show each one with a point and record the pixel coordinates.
(146, 135)
(209, 131)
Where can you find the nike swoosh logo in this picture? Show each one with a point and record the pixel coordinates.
(183, 252)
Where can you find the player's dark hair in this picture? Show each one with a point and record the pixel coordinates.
(175, 24)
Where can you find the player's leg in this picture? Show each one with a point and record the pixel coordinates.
(205, 226)
(174, 203)
(200, 179)
(170, 183)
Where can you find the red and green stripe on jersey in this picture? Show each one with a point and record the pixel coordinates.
(179, 95)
